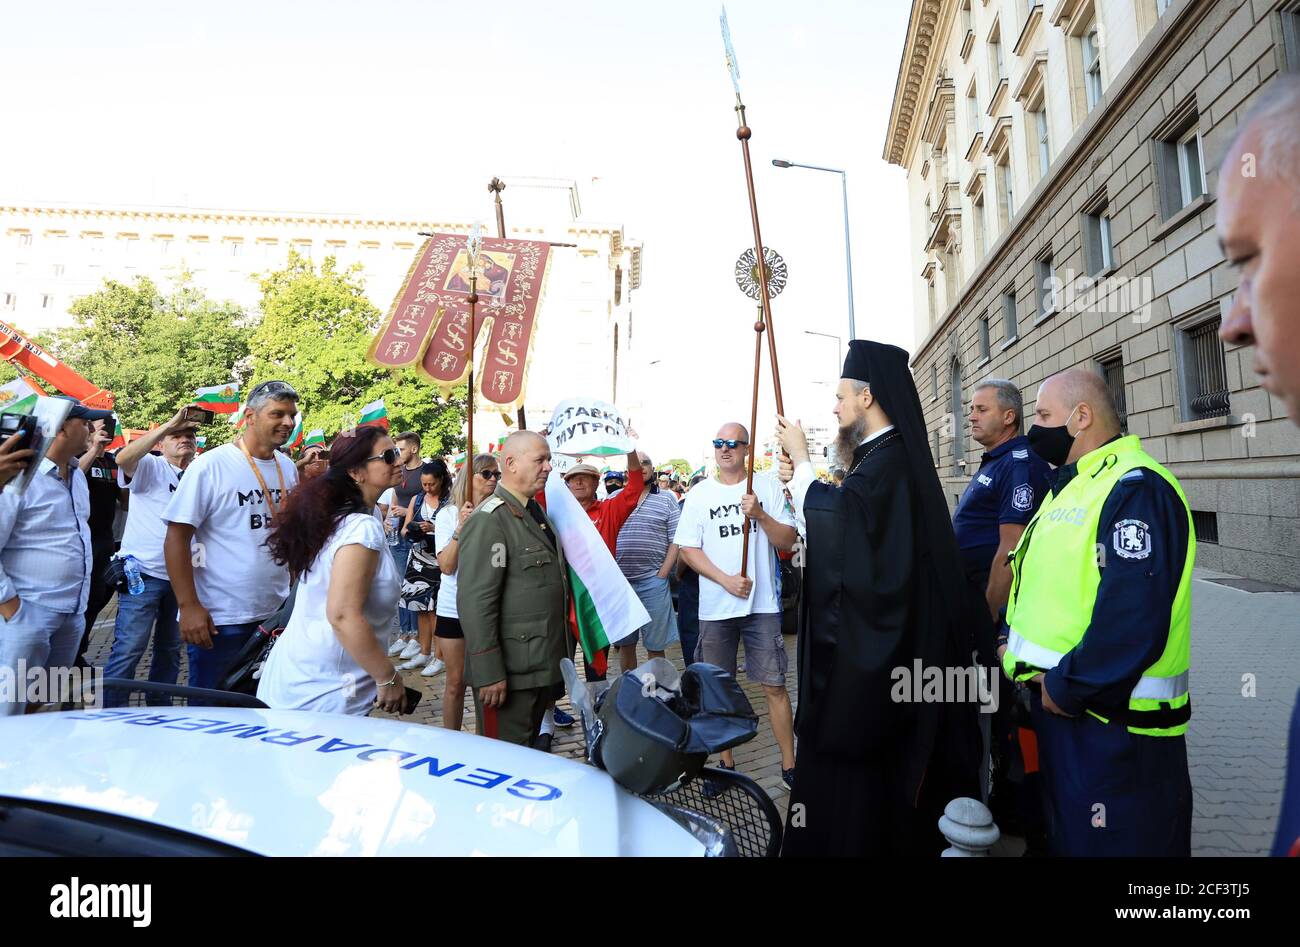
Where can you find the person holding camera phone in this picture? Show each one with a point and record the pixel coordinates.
(45, 561)
(100, 468)
(150, 479)
(13, 460)
(332, 655)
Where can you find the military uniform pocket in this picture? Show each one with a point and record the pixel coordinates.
(524, 645)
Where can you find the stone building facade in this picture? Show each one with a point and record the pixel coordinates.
(1062, 160)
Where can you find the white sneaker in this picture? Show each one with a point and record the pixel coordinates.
(411, 650)
(397, 647)
(419, 661)
(436, 666)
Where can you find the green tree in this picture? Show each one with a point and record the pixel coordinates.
(152, 350)
(680, 465)
(315, 331)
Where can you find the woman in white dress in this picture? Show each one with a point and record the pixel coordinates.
(474, 484)
(333, 654)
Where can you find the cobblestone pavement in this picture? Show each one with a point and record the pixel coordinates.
(1245, 671)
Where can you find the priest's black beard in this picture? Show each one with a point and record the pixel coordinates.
(848, 439)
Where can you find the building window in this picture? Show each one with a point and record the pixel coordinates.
(1010, 320)
(47, 301)
(1006, 194)
(985, 353)
(9, 301)
(1044, 139)
(1045, 287)
(933, 301)
(1112, 370)
(24, 240)
(1291, 36)
(973, 109)
(981, 227)
(1092, 66)
(936, 445)
(1203, 370)
(934, 382)
(236, 248)
(57, 270)
(967, 24)
(1099, 252)
(1206, 525)
(997, 66)
(954, 407)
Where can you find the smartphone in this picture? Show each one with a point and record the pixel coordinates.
(199, 415)
(412, 700)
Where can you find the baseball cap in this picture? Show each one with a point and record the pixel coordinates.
(582, 469)
(79, 410)
(613, 475)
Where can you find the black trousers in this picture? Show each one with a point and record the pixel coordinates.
(100, 595)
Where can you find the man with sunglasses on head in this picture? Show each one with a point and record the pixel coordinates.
(226, 506)
(732, 606)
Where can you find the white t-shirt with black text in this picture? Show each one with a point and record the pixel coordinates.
(233, 573)
(151, 486)
(711, 521)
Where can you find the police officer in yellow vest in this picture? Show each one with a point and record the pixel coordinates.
(1098, 628)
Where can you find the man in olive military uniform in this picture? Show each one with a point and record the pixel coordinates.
(511, 597)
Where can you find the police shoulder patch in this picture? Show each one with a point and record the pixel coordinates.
(1131, 539)
(1022, 454)
(1022, 498)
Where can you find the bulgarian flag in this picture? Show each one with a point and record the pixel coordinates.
(699, 472)
(238, 418)
(223, 399)
(295, 438)
(119, 436)
(458, 461)
(202, 442)
(19, 396)
(315, 438)
(374, 413)
(606, 608)
(500, 443)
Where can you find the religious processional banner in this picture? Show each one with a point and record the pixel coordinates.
(427, 327)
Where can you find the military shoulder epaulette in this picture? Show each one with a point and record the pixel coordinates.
(491, 503)
(1022, 454)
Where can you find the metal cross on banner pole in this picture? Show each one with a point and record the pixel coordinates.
(495, 187)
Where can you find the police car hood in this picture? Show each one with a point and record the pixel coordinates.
(288, 782)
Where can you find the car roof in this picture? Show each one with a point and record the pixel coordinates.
(289, 782)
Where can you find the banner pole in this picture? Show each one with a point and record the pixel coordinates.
(753, 423)
(496, 186)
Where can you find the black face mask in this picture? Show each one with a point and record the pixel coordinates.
(1052, 443)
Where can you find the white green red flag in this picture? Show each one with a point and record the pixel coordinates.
(699, 472)
(295, 437)
(119, 436)
(202, 442)
(315, 438)
(18, 396)
(375, 413)
(606, 607)
(223, 399)
(496, 447)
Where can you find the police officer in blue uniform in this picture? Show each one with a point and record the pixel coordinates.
(1099, 628)
(999, 501)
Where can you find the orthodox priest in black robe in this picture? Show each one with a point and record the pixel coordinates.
(883, 590)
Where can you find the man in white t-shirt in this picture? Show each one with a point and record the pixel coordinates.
(151, 480)
(225, 506)
(710, 534)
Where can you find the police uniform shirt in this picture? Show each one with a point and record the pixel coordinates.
(1141, 544)
(1010, 485)
(102, 481)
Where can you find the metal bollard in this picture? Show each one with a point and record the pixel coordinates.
(968, 826)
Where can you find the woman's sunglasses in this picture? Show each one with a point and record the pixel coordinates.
(721, 442)
(389, 456)
(490, 474)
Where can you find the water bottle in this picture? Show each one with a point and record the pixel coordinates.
(134, 580)
(394, 529)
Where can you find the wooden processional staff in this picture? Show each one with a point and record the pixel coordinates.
(760, 273)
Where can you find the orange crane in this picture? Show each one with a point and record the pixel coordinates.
(34, 360)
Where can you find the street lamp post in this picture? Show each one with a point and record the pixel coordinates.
(839, 348)
(848, 253)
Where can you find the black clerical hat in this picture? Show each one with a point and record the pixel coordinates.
(866, 359)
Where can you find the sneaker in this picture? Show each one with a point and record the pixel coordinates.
(710, 789)
(397, 647)
(562, 719)
(411, 650)
(787, 777)
(419, 661)
(436, 666)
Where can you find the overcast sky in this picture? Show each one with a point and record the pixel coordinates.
(404, 107)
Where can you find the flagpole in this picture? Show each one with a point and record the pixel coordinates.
(753, 423)
(469, 405)
(496, 186)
